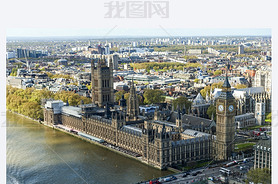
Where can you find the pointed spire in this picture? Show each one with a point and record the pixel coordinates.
(183, 109)
(211, 92)
(207, 97)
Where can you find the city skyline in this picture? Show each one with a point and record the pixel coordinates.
(123, 32)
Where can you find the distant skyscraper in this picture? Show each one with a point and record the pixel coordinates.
(115, 61)
(107, 50)
(241, 49)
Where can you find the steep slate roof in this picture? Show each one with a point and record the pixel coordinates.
(193, 121)
(199, 100)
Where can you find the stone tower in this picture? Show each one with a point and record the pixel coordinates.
(260, 113)
(102, 83)
(225, 125)
(179, 120)
(132, 104)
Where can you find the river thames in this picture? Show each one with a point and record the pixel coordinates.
(39, 154)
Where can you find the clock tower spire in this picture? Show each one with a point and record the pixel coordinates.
(225, 124)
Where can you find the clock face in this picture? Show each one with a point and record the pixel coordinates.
(220, 108)
(231, 108)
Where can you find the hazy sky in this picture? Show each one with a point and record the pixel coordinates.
(116, 31)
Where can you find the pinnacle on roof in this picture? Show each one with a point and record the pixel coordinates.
(226, 82)
(199, 99)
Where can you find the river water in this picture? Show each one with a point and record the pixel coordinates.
(39, 154)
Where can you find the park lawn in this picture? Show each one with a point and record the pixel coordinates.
(268, 120)
(244, 146)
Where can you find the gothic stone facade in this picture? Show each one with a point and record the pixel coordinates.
(225, 126)
(102, 83)
(159, 143)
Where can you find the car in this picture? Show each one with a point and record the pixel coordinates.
(185, 175)
(168, 179)
(199, 172)
(173, 177)
(154, 182)
(160, 179)
(194, 174)
(210, 178)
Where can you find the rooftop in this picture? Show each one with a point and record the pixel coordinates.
(194, 133)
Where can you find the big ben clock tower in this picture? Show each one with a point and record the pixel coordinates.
(225, 125)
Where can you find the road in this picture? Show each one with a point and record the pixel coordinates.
(237, 174)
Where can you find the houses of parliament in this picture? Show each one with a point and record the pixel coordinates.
(160, 142)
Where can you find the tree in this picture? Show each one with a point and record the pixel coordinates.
(240, 86)
(259, 175)
(207, 88)
(217, 72)
(126, 96)
(268, 117)
(118, 95)
(14, 72)
(181, 101)
(89, 86)
(190, 57)
(152, 96)
(211, 111)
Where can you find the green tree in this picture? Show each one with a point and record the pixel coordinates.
(259, 175)
(207, 88)
(268, 117)
(217, 72)
(126, 96)
(119, 94)
(240, 86)
(89, 86)
(196, 80)
(181, 101)
(190, 57)
(211, 111)
(152, 96)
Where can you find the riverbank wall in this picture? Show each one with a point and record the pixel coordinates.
(93, 142)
